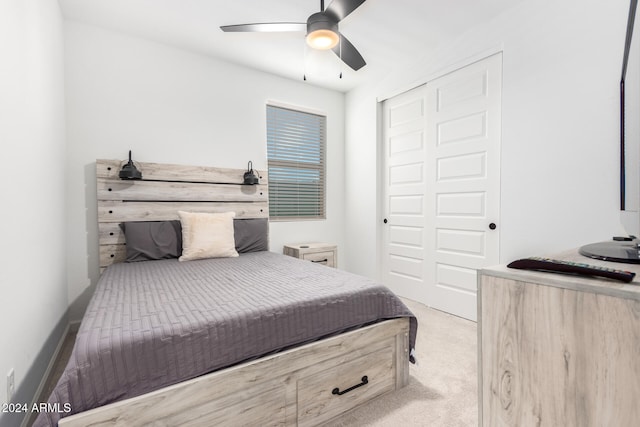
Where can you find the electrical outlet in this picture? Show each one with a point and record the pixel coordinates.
(11, 385)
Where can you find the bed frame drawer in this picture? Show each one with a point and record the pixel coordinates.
(325, 395)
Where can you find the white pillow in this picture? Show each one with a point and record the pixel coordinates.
(207, 235)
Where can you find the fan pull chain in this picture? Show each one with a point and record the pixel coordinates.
(304, 62)
(341, 62)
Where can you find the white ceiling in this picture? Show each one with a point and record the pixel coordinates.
(387, 33)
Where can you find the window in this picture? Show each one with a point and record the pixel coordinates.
(296, 143)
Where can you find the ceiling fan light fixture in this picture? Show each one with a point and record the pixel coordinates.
(322, 32)
(322, 39)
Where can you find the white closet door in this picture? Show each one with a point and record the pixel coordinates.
(463, 151)
(441, 187)
(403, 233)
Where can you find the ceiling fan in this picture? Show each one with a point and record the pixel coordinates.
(321, 28)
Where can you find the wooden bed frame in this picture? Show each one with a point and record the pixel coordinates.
(303, 386)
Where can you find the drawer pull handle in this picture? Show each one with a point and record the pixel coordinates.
(337, 391)
(321, 260)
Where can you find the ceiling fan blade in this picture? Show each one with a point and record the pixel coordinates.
(339, 9)
(349, 54)
(267, 27)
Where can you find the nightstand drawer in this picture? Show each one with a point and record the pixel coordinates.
(319, 253)
(325, 258)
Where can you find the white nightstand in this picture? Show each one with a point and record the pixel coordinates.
(319, 253)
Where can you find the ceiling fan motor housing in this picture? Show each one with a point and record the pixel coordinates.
(321, 21)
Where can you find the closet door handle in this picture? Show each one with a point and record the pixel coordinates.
(385, 220)
(492, 226)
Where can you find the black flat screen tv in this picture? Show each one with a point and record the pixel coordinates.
(628, 250)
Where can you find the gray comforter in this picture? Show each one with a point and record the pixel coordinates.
(155, 323)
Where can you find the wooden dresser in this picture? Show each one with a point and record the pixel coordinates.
(558, 350)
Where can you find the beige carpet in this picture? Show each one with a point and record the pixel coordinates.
(442, 388)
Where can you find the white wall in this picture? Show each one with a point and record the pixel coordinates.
(562, 63)
(33, 289)
(173, 106)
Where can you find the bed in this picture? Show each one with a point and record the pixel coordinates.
(257, 339)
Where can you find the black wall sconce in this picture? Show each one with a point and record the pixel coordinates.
(250, 177)
(130, 171)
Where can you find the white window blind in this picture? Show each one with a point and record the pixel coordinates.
(296, 143)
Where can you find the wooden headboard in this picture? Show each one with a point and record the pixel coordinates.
(164, 190)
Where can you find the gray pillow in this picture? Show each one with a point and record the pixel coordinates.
(152, 240)
(251, 235)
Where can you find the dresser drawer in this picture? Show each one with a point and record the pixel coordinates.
(316, 401)
(325, 258)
